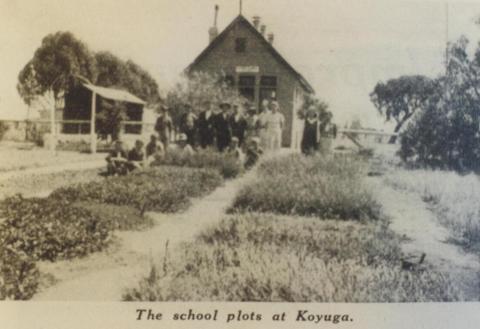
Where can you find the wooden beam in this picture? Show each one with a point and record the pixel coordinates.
(93, 135)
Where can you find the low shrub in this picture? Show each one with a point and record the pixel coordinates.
(311, 186)
(228, 166)
(163, 189)
(19, 276)
(47, 229)
(259, 257)
(123, 218)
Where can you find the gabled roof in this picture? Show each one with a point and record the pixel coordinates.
(238, 20)
(114, 94)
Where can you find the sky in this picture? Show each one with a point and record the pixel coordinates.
(343, 48)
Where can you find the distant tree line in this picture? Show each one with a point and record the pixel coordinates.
(438, 119)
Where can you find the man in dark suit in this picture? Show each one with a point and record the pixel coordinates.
(222, 127)
(205, 125)
(238, 124)
(189, 124)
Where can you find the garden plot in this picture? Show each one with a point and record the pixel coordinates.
(104, 276)
(268, 251)
(39, 229)
(265, 257)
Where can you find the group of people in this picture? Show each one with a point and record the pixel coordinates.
(237, 130)
(121, 162)
(216, 127)
(317, 135)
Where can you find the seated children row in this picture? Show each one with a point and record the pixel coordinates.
(119, 162)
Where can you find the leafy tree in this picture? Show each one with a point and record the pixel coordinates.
(196, 88)
(141, 83)
(111, 70)
(446, 134)
(399, 99)
(59, 59)
(116, 73)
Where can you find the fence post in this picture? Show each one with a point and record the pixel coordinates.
(93, 136)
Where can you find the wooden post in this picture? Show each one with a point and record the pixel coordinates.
(93, 135)
(53, 130)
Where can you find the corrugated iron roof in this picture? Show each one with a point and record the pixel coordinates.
(115, 94)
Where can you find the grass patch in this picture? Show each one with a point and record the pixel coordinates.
(455, 200)
(261, 257)
(309, 186)
(227, 166)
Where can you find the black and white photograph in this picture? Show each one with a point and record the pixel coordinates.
(240, 151)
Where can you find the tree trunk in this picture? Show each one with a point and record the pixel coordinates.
(393, 139)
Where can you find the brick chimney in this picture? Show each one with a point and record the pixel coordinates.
(256, 21)
(271, 37)
(213, 31)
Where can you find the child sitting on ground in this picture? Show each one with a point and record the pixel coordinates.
(136, 157)
(254, 151)
(235, 151)
(117, 160)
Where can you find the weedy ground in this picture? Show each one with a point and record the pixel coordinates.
(307, 230)
(266, 257)
(455, 200)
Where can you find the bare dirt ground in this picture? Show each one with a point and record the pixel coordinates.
(410, 218)
(36, 172)
(104, 276)
(19, 157)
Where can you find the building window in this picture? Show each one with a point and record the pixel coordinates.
(240, 45)
(246, 86)
(268, 88)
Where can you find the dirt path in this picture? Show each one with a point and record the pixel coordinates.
(411, 219)
(104, 276)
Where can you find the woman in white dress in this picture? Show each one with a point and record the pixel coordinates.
(275, 121)
(262, 125)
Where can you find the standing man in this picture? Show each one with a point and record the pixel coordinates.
(188, 125)
(222, 127)
(164, 126)
(205, 125)
(274, 122)
(238, 125)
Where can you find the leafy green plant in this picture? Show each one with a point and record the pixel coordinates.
(164, 189)
(118, 217)
(47, 229)
(19, 275)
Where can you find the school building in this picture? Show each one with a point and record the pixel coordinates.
(245, 54)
